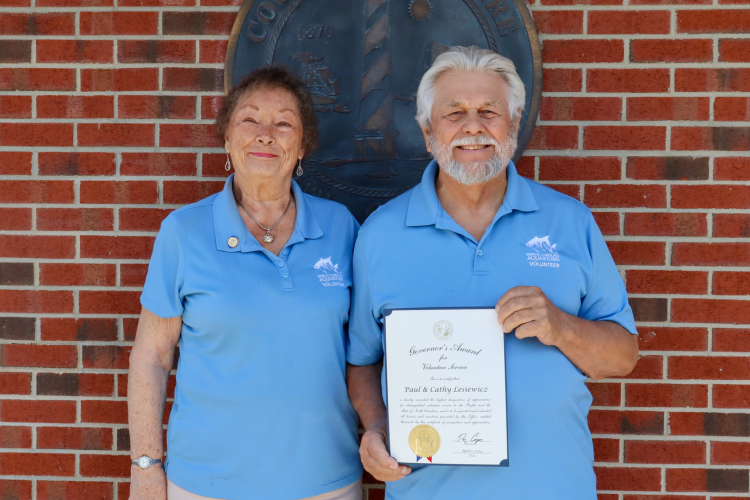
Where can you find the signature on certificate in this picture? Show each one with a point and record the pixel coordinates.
(462, 438)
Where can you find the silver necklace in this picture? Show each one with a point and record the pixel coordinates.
(268, 237)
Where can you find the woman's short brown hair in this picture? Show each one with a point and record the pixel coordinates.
(275, 77)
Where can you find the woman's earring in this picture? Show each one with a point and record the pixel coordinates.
(299, 168)
(227, 165)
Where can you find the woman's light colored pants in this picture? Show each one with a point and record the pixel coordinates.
(351, 492)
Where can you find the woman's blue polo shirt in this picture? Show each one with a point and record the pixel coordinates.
(411, 253)
(261, 409)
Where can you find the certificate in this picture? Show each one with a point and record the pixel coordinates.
(445, 383)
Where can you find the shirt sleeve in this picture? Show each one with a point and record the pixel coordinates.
(162, 293)
(606, 298)
(365, 342)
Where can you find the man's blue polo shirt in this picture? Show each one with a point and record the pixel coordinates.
(261, 409)
(411, 253)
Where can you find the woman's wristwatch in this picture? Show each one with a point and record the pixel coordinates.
(145, 462)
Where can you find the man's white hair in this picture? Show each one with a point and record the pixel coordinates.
(472, 60)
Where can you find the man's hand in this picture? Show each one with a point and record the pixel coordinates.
(148, 484)
(528, 310)
(375, 457)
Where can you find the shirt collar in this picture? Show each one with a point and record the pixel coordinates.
(228, 223)
(425, 209)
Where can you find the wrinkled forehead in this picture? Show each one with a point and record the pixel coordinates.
(265, 97)
(470, 89)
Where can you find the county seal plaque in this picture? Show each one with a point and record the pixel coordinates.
(362, 61)
(424, 441)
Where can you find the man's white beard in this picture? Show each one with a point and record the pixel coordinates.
(474, 173)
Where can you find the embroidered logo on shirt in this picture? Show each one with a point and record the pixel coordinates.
(544, 255)
(331, 275)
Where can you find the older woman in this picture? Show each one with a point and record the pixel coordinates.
(254, 284)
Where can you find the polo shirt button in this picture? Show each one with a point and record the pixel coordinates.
(479, 252)
(281, 264)
(286, 251)
(286, 275)
(233, 242)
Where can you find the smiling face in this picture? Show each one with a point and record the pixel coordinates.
(264, 136)
(471, 132)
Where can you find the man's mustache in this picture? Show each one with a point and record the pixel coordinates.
(479, 140)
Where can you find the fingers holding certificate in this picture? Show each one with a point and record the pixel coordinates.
(445, 378)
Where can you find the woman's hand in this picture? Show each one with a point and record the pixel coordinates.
(148, 484)
(375, 457)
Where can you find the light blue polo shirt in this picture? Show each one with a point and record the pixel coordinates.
(261, 409)
(411, 253)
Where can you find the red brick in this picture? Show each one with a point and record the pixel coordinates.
(15, 163)
(213, 166)
(668, 2)
(667, 282)
(186, 135)
(609, 22)
(572, 190)
(606, 450)
(111, 192)
(15, 219)
(115, 134)
(627, 80)
(105, 466)
(161, 164)
(116, 247)
(667, 168)
(711, 138)
(675, 395)
(15, 51)
(672, 339)
(690, 50)
(731, 283)
(43, 247)
(45, 356)
(74, 438)
(74, 3)
(709, 424)
(181, 192)
(626, 422)
(37, 464)
(624, 195)
(37, 79)
(111, 357)
(215, 51)
(630, 138)
(193, 79)
(36, 301)
(73, 490)
(48, 24)
(142, 219)
(732, 169)
(668, 108)
(562, 80)
(727, 453)
(659, 452)
(708, 367)
(713, 21)
(36, 192)
(665, 224)
(582, 51)
(628, 478)
(571, 168)
(559, 22)
(604, 394)
(608, 222)
(15, 383)
(734, 50)
(731, 340)
(711, 311)
(581, 108)
(197, 23)
(77, 274)
(210, 106)
(38, 411)
(581, 2)
(115, 302)
(554, 137)
(74, 219)
(648, 367)
(123, 492)
(71, 51)
(712, 79)
(643, 253)
(726, 480)
(119, 23)
(711, 254)
(156, 107)
(12, 106)
(732, 109)
(107, 412)
(75, 106)
(77, 163)
(133, 274)
(81, 329)
(119, 80)
(731, 396)
(15, 437)
(36, 134)
(156, 51)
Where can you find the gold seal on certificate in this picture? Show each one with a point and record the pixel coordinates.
(424, 441)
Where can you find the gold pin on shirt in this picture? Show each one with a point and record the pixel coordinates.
(424, 441)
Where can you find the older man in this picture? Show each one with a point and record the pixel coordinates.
(475, 233)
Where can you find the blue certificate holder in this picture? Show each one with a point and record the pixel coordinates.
(445, 387)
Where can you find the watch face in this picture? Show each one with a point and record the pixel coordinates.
(144, 462)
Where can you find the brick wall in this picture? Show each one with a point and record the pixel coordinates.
(105, 116)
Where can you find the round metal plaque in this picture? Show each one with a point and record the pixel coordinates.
(362, 60)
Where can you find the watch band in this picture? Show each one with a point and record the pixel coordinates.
(144, 462)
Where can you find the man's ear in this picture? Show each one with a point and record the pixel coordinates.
(517, 123)
(426, 133)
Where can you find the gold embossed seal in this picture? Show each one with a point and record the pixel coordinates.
(424, 441)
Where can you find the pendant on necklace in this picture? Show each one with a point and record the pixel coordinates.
(268, 238)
